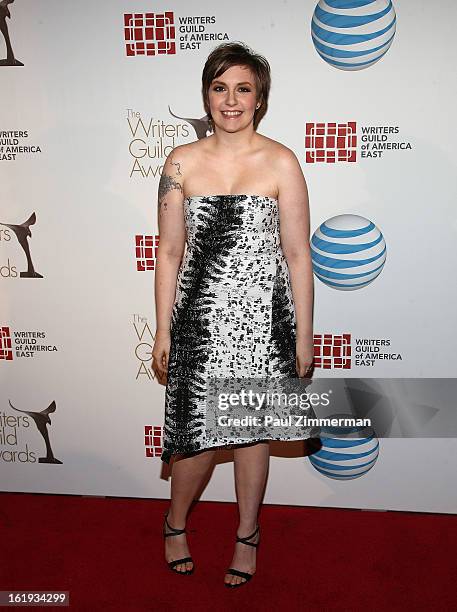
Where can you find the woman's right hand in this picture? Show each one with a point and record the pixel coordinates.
(160, 354)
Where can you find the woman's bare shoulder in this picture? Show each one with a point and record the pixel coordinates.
(281, 158)
(190, 148)
(180, 162)
(188, 154)
(275, 147)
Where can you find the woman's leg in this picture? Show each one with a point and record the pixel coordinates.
(251, 470)
(186, 477)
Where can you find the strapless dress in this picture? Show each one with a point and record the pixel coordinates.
(233, 315)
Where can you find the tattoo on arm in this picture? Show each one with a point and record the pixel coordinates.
(178, 169)
(166, 184)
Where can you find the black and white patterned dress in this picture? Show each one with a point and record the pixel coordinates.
(233, 314)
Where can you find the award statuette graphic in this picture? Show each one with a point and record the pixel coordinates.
(4, 13)
(42, 420)
(201, 126)
(23, 232)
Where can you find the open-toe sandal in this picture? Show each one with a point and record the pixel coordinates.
(235, 572)
(174, 532)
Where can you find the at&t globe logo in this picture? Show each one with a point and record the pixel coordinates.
(348, 252)
(353, 34)
(347, 452)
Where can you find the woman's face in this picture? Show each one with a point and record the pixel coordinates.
(232, 98)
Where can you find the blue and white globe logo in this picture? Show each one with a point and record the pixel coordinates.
(353, 34)
(348, 252)
(347, 452)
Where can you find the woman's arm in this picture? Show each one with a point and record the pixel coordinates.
(294, 226)
(172, 238)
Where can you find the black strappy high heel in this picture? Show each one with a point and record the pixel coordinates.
(173, 564)
(235, 572)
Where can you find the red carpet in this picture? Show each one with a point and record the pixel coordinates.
(108, 552)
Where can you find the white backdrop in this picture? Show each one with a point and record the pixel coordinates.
(77, 102)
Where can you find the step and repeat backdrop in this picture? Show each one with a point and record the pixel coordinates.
(94, 95)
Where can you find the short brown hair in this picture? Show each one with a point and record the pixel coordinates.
(230, 54)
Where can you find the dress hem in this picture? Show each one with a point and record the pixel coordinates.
(167, 454)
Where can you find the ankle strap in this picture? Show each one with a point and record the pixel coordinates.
(245, 540)
(173, 530)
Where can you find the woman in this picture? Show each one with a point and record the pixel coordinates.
(230, 307)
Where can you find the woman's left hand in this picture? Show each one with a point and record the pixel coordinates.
(304, 355)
